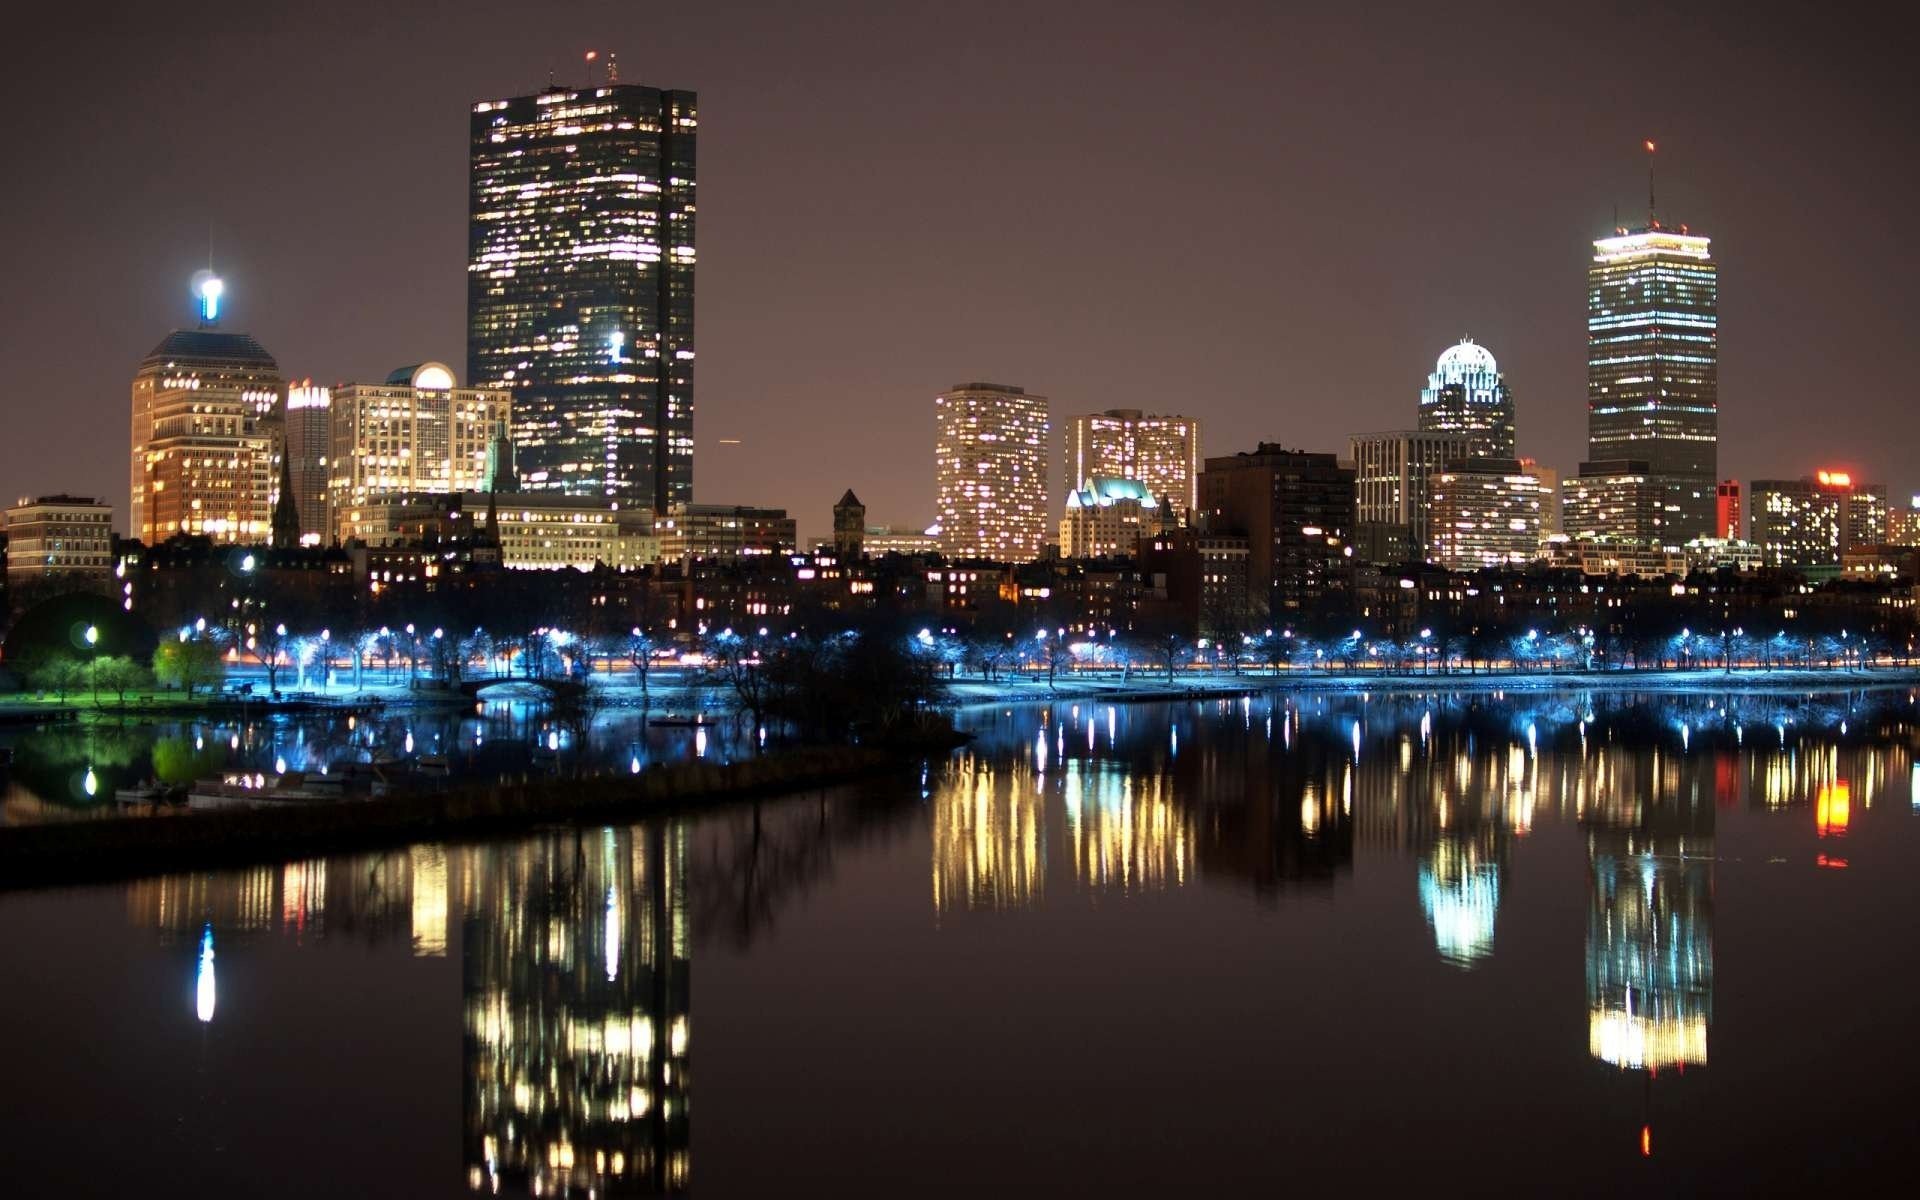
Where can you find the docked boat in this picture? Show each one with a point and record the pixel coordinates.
(259, 790)
(151, 792)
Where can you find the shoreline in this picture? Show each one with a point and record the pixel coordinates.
(71, 853)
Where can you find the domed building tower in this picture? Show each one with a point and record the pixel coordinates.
(1465, 394)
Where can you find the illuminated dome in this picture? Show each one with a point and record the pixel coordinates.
(427, 376)
(1462, 362)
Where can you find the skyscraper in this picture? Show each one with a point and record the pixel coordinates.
(990, 465)
(1392, 476)
(416, 432)
(1485, 513)
(203, 433)
(1653, 390)
(1816, 520)
(1162, 452)
(309, 448)
(580, 278)
(1466, 394)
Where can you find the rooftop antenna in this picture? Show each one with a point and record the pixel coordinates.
(613, 69)
(591, 55)
(1653, 221)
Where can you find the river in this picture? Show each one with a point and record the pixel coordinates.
(1565, 943)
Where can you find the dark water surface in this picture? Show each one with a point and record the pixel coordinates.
(1537, 945)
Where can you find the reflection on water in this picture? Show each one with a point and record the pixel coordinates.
(72, 770)
(576, 984)
(574, 946)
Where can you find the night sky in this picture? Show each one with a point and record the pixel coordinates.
(1272, 220)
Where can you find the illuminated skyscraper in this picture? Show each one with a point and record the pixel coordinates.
(309, 448)
(1161, 452)
(1653, 378)
(1813, 521)
(416, 432)
(580, 278)
(1393, 473)
(205, 425)
(990, 464)
(1466, 394)
(1485, 513)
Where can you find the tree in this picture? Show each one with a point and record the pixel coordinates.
(59, 675)
(189, 664)
(119, 674)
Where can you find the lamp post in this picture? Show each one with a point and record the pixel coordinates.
(92, 636)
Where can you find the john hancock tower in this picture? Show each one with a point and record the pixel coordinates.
(580, 286)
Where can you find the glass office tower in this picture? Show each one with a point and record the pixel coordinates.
(1653, 380)
(580, 286)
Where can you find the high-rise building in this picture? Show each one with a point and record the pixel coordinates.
(1466, 394)
(414, 433)
(1162, 452)
(205, 407)
(1486, 513)
(1619, 504)
(1392, 472)
(1729, 517)
(1653, 384)
(62, 540)
(1903, 523)
(990, 466)
(1549, 478)
(580, 273)
(1296, 510)
(1816, 520)
(309, 424)
(1107, 517)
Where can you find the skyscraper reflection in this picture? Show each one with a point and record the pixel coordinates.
(1650, 944)
(576, 964)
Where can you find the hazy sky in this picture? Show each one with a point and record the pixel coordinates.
(1271, 219)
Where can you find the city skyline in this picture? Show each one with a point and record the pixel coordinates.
(910, 266)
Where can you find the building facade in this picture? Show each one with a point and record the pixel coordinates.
(414, 433)
(534, 531)
(1818, 519)
(309, 451)
(1653, 381)
(1466, 394)
(1107, 517)
(1162, 452)
(204, 438)
(580, 275)
(1729, 514)
(65, 541)
(990, 468)
(1486, 513)
(1392, 476)
(1618, 503)
(691, 532)
(1296, 510)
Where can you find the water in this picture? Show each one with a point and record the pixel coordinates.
(1564, 944)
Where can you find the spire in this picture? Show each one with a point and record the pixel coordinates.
(1653, 221)
(286, 513)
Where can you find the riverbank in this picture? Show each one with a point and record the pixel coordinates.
(975, 693)
(91, 851)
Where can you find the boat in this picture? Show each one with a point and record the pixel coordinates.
(679, 722)
(151, 792)
(260, 790)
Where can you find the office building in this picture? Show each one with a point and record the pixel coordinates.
(1549, 478)
(61, 541)
(690, 532)
(1903, 523)
(1620, 504)
(1466, 394)
(1392, 474)
(1729, 515)
(1653, 390)
(414, 433)
(580, 275)
(532, 531)
(878, 541)
(990, 468)
(1816, 520)
(1162, 452)
(309, 450)
(1296, 510)
(1486, 513)
(205, 444)
(1105, 518)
